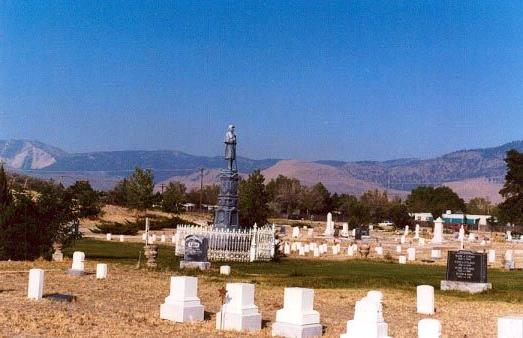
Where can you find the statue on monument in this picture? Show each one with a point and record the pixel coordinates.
(226, 215)
(230, 147)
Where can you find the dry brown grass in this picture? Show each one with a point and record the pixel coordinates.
(127, 304)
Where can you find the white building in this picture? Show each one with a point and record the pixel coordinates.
(422, 216)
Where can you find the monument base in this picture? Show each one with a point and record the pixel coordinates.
(180, 313)
(448, 285)
(72, 272)
(296, 331)
(238, 321)
(356, 329)
(195, 265)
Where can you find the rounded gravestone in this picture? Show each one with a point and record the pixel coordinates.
(425, 299)
(429, 328)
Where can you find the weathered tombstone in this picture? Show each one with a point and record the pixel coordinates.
(239, 312)
(510, 327)
(297, 318)
(109, 236)
(287, 249)
(403, 239)
(435, 253)
(78, 266)
(225, 270)
(58, 255)
(101, 271)
(35, 288)
(416, 232)
(411, 254)
(350, 252)
(368, 320)
(195, 255)
(358, 233)
(365, 232)
(429, 328)
(438, 231)
(122, 238)
(425, 299)
(508, 262)
(182, 304)
(162, 238)
(492, 256)
(144, 236)
(316, 252)
(402, 259)
(295, 232)
(466, 271)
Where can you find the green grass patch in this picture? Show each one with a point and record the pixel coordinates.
(317, 274)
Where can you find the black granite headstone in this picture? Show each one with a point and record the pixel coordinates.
(196, 248)
(365, 232)
(467, 266)
(358, 233)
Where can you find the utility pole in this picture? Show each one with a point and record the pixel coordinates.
(201, 189)
(162, 186)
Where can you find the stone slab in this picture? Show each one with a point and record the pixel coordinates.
(447, 285)
(195, 265)
(296, 331)
(238, 322)
(180, 313)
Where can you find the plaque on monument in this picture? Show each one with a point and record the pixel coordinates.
(195, 255)
(467, 266)
(360, 232)
(466, 271)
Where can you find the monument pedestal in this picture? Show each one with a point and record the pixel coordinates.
(449, 285)
(296, 331)
(195, 265)
(182, 304)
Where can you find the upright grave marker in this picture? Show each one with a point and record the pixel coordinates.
(195, 255)
(466, 271)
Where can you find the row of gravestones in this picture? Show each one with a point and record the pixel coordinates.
(298, 318)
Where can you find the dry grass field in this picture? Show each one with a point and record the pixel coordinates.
(127, 303)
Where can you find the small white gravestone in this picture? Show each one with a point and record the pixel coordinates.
(429, 328)
(295, 232)
(402, 259)
(329, 228)
(411, 254)
(379, 250)
(492, 256)
(438, 231)
(509, 260)
(406, 233)
(182, 304)
(144, 236)
(510, 327)
(310, 232)
(302, 251)
(78, 266)
(398, 249)
(435, 253)
(509, 235)
(353, 232)
(153, 238)
(461, 235)
(345, 230)
(472, 237)
(316, 252)
(306, 248)
(35, 288)
(425, 299)
(421, 241)
(297, 318)
(239, 312)
(350, 252)
(368, 320)
(355, 247)
(108, 236)
(403, 239)
(162, 238)
(225, 270)
(122, 238)
(101, 271)
(287, 249)
(416, 232)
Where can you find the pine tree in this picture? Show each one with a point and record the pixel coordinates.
(511, 210)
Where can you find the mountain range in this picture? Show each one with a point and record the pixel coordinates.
(471, 173)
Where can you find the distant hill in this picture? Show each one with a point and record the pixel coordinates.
(475, 172)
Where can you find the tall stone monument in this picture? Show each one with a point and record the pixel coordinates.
(226, 216)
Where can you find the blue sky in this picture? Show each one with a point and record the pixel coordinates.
(347, 80)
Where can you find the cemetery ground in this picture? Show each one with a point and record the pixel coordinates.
(127, 303)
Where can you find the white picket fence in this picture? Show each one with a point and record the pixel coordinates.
(242, 245)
